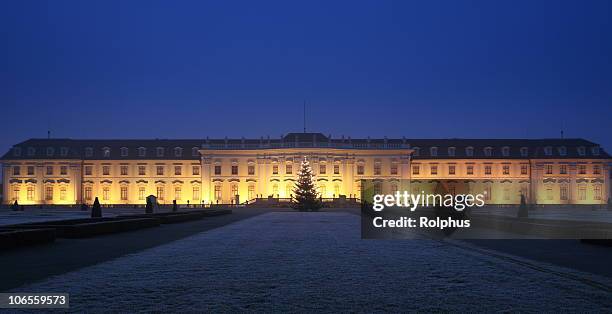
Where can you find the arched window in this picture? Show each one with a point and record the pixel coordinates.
(433, 151)
(160, 151)
(524, 151)
(488, 151)
(142, 151)
(451, 151)
(178, 152)
(106, 152)
(505, 151)
(469, 151)
(88, 152)
(195, 151)
(124, 151)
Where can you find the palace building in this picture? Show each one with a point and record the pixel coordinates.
(70, 171)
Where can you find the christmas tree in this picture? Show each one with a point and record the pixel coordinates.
(306, 195)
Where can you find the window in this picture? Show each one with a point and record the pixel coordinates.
(487, 170)
(88, 193)
(251, 193)
(64, 151)
(582, 193)
(337, 190)
(178, 152)
(106, 152)
(48, 193)
(124, 151)
(31, 151)
(549, 169)
(195, 194)
(433, 170)
(323, 189)
(274, 169)
(289, 190)
(218, 192)
(377, 168)
(336, 169)
(469, 151)
(15, 194)
(563, 169)
(581, 169)
(88, 170)
(124, 193)
(451, 151)
(124, 170)
(597, 192)
(547, 150)
(142, 170)
(160, 151)
(30, 193)
(141, 193)
(488, 193)
(159, 170)
(63, 170)
(506, 151)
(524, 169)
(417, 151)
(234, 190)
(322, 169)
(506, 194)
(416, 169)
(30, 170)
(433, 151)
(251, 170)
(16, 170)
(451, 170)
(360, 169)
(562, 151)
(549, 193)
(178, 170)
(218, 170)
(488, 151)
(49, 170)
(106, 193)
(105, 170)
(289, 169)
(469, 170)
(595, 151)
(581, 150)
(596, 169)
(16, 151)
(563, 195)
(524, 151)
(88, 152)
(195, 170)
(234, 170)
(195, 152)
(177, 193)
(142, 151)
(506, 170)
(50, 151)
(160, 193)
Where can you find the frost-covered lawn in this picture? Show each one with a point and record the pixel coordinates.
(9, 217)
(290, 261)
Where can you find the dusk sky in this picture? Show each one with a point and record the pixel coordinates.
(191, 69)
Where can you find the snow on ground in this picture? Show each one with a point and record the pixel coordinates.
(9, 217)
(291, 261)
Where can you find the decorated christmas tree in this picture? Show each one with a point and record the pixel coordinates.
(306, 195)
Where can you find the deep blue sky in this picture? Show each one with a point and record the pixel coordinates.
(181, 69)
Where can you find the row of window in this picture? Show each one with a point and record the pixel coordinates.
(505, 151)
(275, 169)
(142, 170)
(581, 169)
(142, 193)
(469, 169)
(31, 170)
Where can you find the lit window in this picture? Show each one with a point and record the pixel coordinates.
(218, 193)
(563, 169)
(234, 170)
(416, 169)
(88, 170)
(487, 169)
(451, 170)
(377, 169)
(597, 192)
(524, 169)
(105, 170)
(469, 170)
(195, 170)
(218, 170)
(393, 169)
(433, 170)
(30, 193)
(195, 195)
(141, 193)
(582, 193)
(160, 170)
(360, 169)
(16, 170)
(549, 169)
(160, 193)
(289, 169)
(322, 169)
(336, 169)
(124, 170)
(506, 169)
(63, 170)
(274, 169)
(581, 169)
(563, 192)
(142, 170)
(48, 193)
(596, 169)
(177, 193)
(251, 192)
(178, 170)
(124, 193)
(251, 170)
(106, 193)
(88, 193)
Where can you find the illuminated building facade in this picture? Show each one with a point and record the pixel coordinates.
(66, 171)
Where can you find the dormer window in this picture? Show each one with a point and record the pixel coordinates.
(64, 151)
(106, 152)
(16, 151)
(562, 151)
(195, 151)
(50, 151)
(178, 152)
(505, 151)
(433, 151)
(581, 150)
(88, 152)
(469, 151)
(417, 151)
(488, 151)
(451, 151)
(31, 151)
(595, 150)
(548, 151)
(524, 151)
(160, 152)
(124, 151)
(142, 151)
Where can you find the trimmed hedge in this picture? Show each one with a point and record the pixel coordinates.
(13, 238)
(82, 228)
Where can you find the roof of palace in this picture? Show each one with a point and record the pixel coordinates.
(173, 149)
